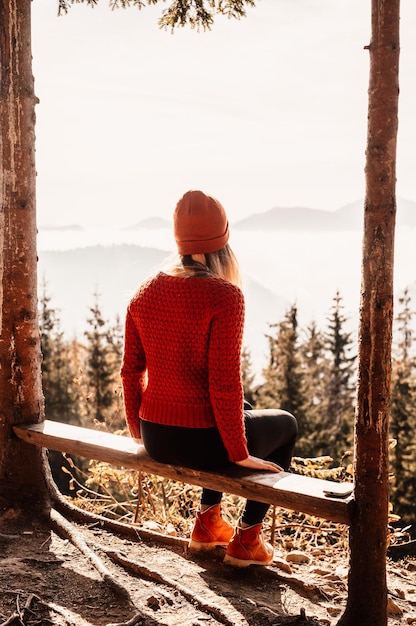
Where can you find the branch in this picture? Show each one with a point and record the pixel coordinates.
(18, 617)
(198, 14)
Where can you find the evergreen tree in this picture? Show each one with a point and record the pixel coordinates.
(116, 341)
(283, 377)
(47, 323)
(403, 418)
(58, 373)
(337, 407)
(60, 392)
(99, 369)
(115, 347)
(314, 366)
(247, 377)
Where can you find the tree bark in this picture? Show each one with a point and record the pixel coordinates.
(22, 476)
(367, 594)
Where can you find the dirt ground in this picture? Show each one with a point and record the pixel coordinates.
(80, 574)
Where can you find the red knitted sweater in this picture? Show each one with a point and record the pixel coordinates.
(181, 363)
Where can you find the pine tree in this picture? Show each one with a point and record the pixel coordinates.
(314, 366)
(403, 418)
(283, 377)
(115, 348)
(47, 323)
(99, 369)
(247, 377)
(60, 392)
(58, 373)
(116, 341)
(338, 403)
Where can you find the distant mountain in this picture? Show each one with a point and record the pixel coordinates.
(263, 307)
(352, 215)
(73, 276)
(349, 217)
(153, 223)
(290, 218)
(302, 219)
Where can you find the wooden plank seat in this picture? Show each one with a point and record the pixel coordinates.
(286, 490)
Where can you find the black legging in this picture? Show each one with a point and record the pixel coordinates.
(271, 435)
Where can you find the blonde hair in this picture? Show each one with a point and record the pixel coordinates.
(222, 264)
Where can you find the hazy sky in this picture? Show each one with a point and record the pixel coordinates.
(267, 111)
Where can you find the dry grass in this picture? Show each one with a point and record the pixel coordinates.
(169, 506)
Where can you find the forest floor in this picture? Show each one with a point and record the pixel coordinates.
(76, 574)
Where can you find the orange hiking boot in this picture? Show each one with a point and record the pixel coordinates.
(248, 547)
(210, 530)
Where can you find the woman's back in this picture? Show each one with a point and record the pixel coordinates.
(190, 331)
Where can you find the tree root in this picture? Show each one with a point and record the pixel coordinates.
(66, 530)
(145, 572)
(136, 620)
(18, 617)
(399, 551)
(309, 589)
(8, 537)
(135, 533)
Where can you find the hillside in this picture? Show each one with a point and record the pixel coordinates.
(72, 277)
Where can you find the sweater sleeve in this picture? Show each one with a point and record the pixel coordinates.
(226, 389)
(133, 375)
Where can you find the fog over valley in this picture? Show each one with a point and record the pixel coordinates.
(287, 256)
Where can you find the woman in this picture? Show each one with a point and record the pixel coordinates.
(182, 380)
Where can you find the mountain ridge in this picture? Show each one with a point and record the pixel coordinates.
(348, 217)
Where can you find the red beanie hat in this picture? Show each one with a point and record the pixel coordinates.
(200, 224)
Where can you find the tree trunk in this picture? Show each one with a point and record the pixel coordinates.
(367, 594)
(22, 475)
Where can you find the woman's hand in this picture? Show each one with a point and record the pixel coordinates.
(138, 440)
(254, 462)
